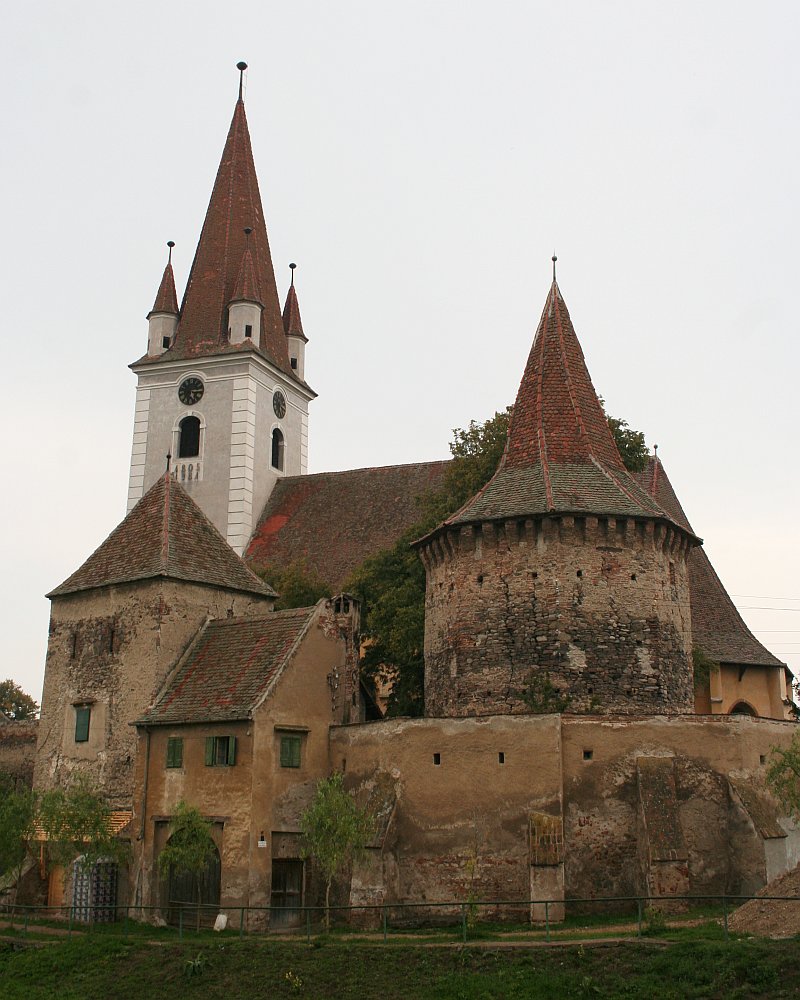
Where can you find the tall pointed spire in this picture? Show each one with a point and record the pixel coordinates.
(560, 455)
(234, 206)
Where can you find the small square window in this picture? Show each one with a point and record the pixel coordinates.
(588, 754)
(220, 751)
(294, 363)
(437, 759)
(290, 751)
(165, 343)
(174, 751)
(501, 758)
(762, 758)
(248, 330)
(83, 714)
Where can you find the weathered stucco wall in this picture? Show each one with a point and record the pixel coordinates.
(599, 604)
(18, 750)
(111, 649)
(463, 825)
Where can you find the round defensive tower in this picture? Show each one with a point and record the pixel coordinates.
(562, 585)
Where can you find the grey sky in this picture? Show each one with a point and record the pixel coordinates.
(420, 162)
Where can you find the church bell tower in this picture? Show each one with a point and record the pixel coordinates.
(221, 389)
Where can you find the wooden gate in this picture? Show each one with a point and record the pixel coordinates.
(287, 893)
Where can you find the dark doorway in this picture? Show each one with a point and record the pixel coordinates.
(287, 893)
(183, 895)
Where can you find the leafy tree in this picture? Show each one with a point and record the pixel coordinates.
(14, 703)
(76, 821)
(189, 848)
(335, 831)
(17, 826)
(783, 776)
(702, 666)
(297, 585)
(630, 444)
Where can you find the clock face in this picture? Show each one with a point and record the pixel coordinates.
(190, 391)
(279, 404)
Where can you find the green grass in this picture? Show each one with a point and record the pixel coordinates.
(96, 967)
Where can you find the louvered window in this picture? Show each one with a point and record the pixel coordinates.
(174, 751)
(290, 751)
(220, 751)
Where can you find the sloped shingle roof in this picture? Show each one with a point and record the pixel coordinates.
(167, 535)
(717, 627)
(230, 667)
(333, 520)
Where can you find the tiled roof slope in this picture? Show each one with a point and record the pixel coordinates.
(334, 520)
(230, 667)
(717, 627)
(292, 323)
(166, 297)
(165, 535)
(234, 206)
(560, 455)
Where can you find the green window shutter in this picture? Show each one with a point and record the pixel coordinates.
(174, 752)
(82, 716)
(231, 751)
(290, 751)
(209, 751)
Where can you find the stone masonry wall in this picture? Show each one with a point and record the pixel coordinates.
(598, 605)
(111, 649)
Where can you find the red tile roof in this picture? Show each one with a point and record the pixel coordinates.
(166, 298)
(292, 323)
(165, 535)
(229, 669)
(560, 455)
(246, 289)
(333, 520)
(234, 206)
(717, 627)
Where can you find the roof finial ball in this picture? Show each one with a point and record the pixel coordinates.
(170, 244)
(241, 66)
(554, 259)
(247, 231)
(292, 267)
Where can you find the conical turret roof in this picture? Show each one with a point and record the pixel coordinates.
(560, 456)
(246, 289)
(292, 324)
(165, 535)
(166, 297)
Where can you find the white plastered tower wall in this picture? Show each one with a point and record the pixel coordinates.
(232, 475)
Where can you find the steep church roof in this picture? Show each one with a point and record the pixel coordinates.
(332, 521)
(560, 455)
(717, 627)
(165, 535)
(235, 205)
(252, 651)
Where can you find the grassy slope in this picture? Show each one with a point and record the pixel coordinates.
(99, 968)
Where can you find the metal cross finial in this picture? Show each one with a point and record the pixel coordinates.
(554, 259)
(293, 266)
(241, 66)
(170, 244)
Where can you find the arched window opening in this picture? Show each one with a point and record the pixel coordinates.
(189, 438)
(742, 708)
(277, 450)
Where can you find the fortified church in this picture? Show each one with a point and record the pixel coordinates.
(170, 677)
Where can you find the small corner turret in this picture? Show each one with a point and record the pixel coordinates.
(296, 340)
(246, 305)
(163, 317)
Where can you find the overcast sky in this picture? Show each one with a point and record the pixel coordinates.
(420, 161)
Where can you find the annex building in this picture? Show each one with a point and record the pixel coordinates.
(171, 677)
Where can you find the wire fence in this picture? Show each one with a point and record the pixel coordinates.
(543, 919)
